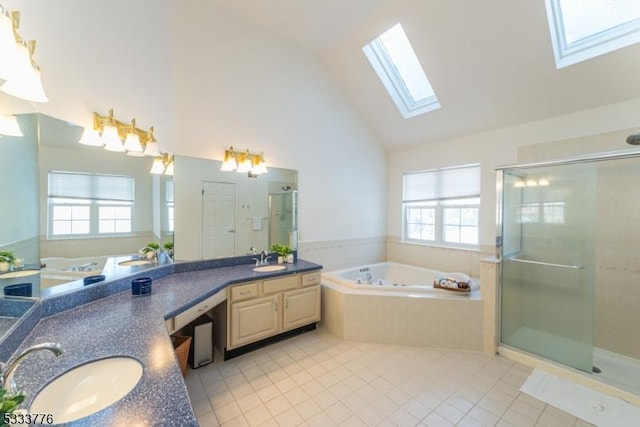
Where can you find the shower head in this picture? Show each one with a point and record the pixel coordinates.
(634, 139)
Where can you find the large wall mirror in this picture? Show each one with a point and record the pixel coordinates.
(209, 213)
(220, 214)
(72, 207)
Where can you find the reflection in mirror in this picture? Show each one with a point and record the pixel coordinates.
(225, 213)
(19, 229)
(283, 217)
(95, 204)
(72, 207)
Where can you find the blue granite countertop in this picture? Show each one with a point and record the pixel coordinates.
(124, 325)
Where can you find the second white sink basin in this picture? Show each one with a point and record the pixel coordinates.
(268, 268)
(135, 262)
(19, 273)
(88, 388)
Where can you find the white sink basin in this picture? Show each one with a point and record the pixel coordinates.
(269, 268)
(20, 273)
(135, 262)
(88, 388)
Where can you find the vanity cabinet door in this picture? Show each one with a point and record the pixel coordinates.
(254, 320)
(301, 307)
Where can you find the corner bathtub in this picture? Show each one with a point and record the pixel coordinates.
(60, 270)
(414, 314)
(395, 277)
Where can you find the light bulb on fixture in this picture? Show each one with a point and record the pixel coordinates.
(26, 83)
(169, 169)
(8, 47)
(245, 165)
(111, 139)
(151, 149)
(132, 142)
(260, 166)
(157, 168)
(229, 163)
(91, 137)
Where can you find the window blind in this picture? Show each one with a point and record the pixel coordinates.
(88, 186)
(438, 184)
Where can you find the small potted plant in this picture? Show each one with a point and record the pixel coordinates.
(151, 250)
(168, 247)
(283, 252)
(8, 404)
(7, 258)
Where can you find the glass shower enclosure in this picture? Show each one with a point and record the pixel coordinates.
(570, 273)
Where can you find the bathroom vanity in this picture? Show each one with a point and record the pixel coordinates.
(249, 314)
(109, 322)
(259, 310)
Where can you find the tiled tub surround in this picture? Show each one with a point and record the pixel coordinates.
(122, 325)
(465, 322)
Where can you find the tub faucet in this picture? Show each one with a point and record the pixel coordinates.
(8, 369)
(369, 279)
(87, 266)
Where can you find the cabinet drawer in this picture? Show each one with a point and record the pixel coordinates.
(242, 292)
(197, 310)
(311, 279)
(280, 284)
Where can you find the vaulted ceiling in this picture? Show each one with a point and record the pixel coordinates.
(490, 62)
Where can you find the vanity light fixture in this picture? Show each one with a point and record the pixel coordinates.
(114, 135)
(110, 133)
(19, 73)
(530, 182)
(244, 162)
(162, 164)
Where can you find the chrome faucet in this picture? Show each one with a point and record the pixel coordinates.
(369, 279)
(263, 260)
(8, 369)
(87, 266)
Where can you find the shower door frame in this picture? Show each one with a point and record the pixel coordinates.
(500, 170)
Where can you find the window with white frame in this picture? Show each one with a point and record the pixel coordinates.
(584, 29)
(535, 212)
(89, 205)
(441, 206)
(398, 68)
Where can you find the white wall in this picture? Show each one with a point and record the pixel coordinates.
(95, 56)
(206, 80)
(236, 84)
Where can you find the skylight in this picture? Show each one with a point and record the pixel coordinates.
(583, 29)
(397, 66)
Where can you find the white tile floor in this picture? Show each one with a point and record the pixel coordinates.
(316, 379)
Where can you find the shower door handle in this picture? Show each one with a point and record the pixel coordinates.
(548, 264)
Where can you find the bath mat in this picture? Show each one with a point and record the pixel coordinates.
(580, 401)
